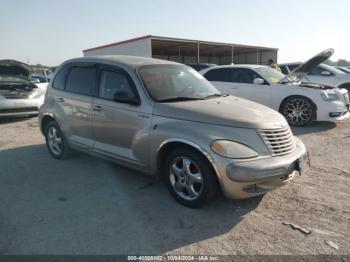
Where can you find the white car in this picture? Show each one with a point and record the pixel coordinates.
(321, 74)
(19, 96)
(300, 103)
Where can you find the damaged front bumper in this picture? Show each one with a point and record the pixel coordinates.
(252, 178)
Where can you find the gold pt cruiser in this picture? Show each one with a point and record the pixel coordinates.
(165, 119)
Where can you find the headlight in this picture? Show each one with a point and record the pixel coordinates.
(36, 93)
(232, 149)
(330, 97)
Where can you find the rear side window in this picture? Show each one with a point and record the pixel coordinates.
(112, 82)
(219, 75)
(60, 78)
(81, 80)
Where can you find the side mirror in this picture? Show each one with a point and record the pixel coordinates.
(124, 97)
(325, 73)
(258, 81)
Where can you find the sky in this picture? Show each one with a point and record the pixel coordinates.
(49, 32)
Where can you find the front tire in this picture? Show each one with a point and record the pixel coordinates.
(190, 178)
(298, 111)
(55, 141)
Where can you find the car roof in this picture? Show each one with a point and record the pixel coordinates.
(293, 63)
(248, 66)
(128, 61)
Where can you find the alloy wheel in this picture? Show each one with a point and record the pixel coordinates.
(186, 178)
(298, 111)
(55, 141)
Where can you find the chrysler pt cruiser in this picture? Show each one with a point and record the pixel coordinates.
(165, 119)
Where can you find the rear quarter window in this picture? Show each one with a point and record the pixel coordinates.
(60, 78)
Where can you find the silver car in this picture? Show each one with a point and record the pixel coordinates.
(19, 96)
(165, 119)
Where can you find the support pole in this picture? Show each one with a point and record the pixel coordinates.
(257, 56)
(232, 54)
(198, 57)
(214, 56)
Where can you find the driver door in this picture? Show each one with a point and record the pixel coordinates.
(243, 81)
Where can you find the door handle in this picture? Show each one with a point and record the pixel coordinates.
(97, 108)
(234, 87)
(60, 99)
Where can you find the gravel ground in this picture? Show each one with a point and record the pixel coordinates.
(87, 206)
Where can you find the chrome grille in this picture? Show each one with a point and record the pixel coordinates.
(279, 141)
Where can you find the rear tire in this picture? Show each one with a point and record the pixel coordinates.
(55, 141)
(298, 111)
(190, 178)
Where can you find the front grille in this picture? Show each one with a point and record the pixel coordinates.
(19, 110)
(279, 141)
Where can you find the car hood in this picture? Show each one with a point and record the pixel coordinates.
(225, 111)
(14, 69)
(301, 71)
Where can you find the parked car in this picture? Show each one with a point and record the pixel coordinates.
(300, 103)
(165, 119)
(38, 78)
(320, 73)
(343, 69)
(19, 96)
(199, 67)
(44, 74)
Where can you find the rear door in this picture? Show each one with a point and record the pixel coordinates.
(119, 127)
(71, 94)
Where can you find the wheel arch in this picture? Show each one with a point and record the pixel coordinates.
(302, 96)
(171, 144)
(47, 118)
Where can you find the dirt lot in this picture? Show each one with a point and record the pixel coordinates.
(87, 206)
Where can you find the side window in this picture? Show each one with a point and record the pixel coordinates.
(218, 75)
(60, 78)
(292, 67)
(81, 80)
(317, 71)
(284, 69)
(112, 82)
(243, 76)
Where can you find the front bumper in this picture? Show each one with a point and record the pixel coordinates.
(333, 111)
(20, 107)
(252, 178)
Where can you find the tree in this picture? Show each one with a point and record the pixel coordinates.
(342, 62)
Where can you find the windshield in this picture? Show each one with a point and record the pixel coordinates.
(175, 83)
(270, 74)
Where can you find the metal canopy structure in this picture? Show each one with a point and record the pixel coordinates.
(188, 51)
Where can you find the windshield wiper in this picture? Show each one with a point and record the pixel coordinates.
(214, 95)
(180, 98)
